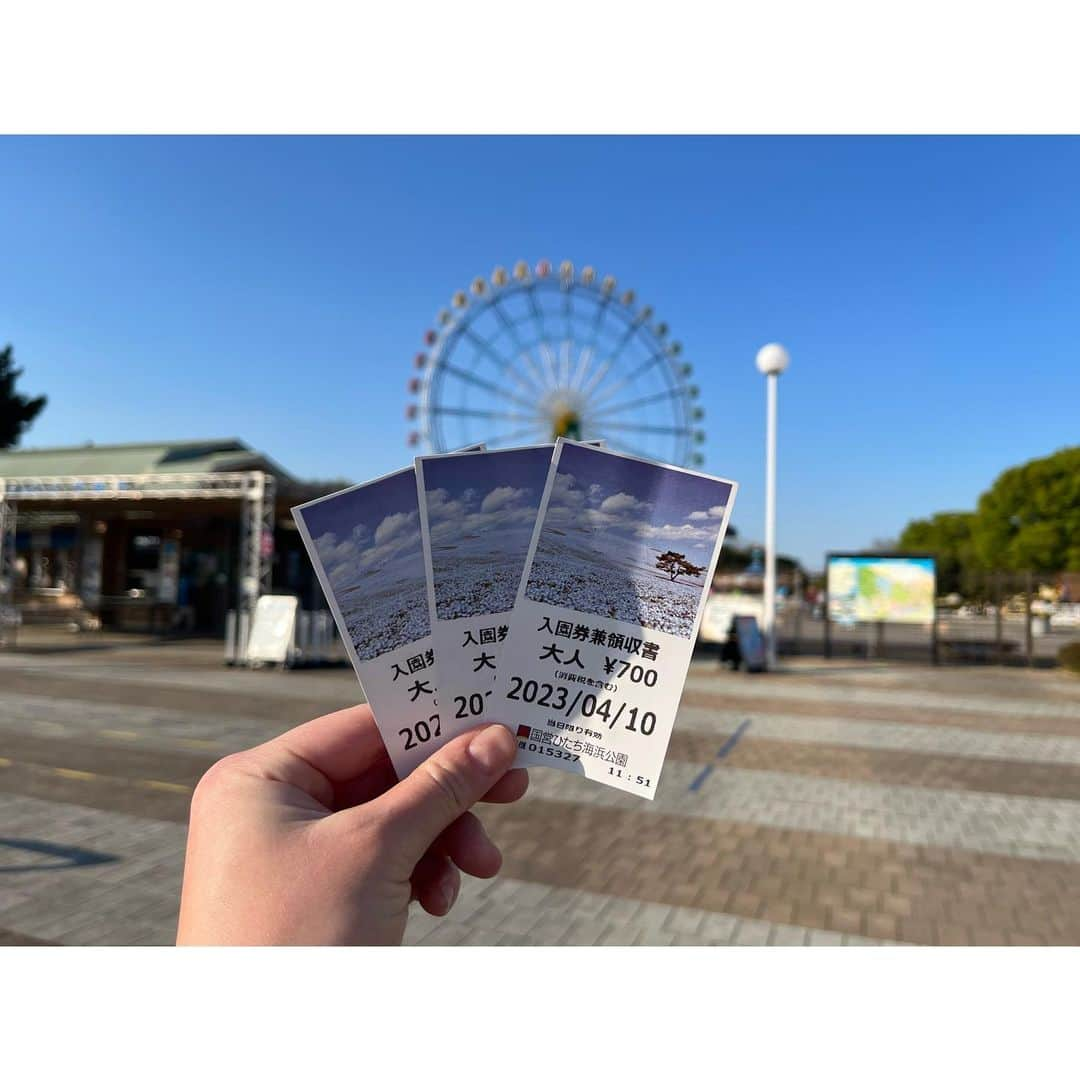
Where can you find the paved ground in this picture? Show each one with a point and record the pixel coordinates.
(855, 803)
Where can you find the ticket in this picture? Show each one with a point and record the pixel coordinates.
(607, 613)
(364, 543)
(477, 513)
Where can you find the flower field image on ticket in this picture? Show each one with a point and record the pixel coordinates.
(380, 621)
(476, 585)
(481, 509)
(593, 584)
(627, 539)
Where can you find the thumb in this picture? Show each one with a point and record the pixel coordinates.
(442, 788)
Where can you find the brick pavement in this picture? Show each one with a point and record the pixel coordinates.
(976, 821)
(917, 893)
(864, 803)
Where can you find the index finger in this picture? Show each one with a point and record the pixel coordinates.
(340, 745)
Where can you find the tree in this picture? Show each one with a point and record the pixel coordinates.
(947, 537)
(1030, 517)
(675, 563)
(17, 411)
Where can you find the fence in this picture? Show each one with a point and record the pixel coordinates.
(1003, 617)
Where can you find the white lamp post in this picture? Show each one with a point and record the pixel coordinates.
(771, 361)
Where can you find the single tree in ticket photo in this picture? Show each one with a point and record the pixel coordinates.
(676, 564)
(599, 547)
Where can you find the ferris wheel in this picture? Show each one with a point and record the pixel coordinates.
(530, 355)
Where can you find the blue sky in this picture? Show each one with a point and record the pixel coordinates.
(276, 290)
(620, 502)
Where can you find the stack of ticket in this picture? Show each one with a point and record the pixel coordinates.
(556, 589)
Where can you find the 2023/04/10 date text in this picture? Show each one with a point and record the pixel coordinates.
(559, 699)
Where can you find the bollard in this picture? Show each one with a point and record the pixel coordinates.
(230, 638)
(1029, 647)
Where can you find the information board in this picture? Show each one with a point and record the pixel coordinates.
(881, 588)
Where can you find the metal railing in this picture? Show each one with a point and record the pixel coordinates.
(1001, 617)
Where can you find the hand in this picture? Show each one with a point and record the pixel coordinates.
(309, 839)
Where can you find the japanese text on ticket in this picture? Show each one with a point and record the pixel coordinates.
(607, 613)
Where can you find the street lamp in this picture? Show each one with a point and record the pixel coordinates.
(771, 361)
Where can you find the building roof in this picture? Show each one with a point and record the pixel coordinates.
(190, 456)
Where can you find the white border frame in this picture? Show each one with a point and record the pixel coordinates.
(718, 544)
(421, 493)
(320, 570)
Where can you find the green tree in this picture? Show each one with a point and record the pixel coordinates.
(1030, 517)
(948, 537)
(17, 411)
(675, 564)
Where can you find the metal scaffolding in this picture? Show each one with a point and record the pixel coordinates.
(256, 539)
(256, 490)
(8, 616)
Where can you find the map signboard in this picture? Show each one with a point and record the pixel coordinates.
(881, 588)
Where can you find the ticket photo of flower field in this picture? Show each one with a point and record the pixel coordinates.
(627, 539)
(481, 509)
(368, 542)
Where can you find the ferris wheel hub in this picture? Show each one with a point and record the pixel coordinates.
(565, 410)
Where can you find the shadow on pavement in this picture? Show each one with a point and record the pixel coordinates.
(67, 857)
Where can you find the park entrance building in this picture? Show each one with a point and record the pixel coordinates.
(148, 536)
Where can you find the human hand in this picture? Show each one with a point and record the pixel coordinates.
(310, 839)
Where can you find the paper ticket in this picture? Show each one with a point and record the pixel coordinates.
(364, 543)
(607, 613)
(477, 513)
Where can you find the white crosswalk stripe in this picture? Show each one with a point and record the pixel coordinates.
(884, 735)
(699, 679)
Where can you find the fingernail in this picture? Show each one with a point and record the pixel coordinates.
(449, 893)
(493, 748)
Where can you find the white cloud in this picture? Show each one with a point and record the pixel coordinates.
(622, 503)
(704, 515)
(675, 532)
(397, 536)
(333, 551)
(400, 544)
(501, 497)
(393, 525)
(439, 505)
(565, 492)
